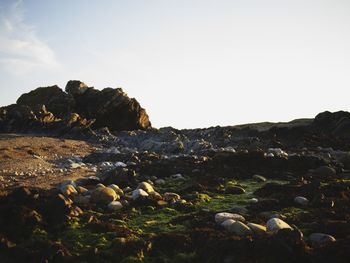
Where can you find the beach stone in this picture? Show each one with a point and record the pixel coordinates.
(238, 228)
(259, 178)
(116, 189)
(320, 239)
(115, 206)
(223, 216)
(301, 200)
(147, 187)
(103, 195)
(226, 224)
(236, 190)
(136, 194)
(275, 224)
(256, 228)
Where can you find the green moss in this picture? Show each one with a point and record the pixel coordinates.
(222, 201)
(294, 213)
(157, 221)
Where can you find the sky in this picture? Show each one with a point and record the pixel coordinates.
(190, 63)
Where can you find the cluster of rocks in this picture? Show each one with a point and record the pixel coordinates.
(89, 191)
(78, 111)
(237, 225)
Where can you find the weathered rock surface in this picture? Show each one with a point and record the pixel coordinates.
(80, 106)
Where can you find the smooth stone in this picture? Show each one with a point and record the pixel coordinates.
(301, 200)
(239, 228)
(104, 195)
(259, 178)
(116, 189)
(275, 224)
(115, 206)
(256, 228)
(136, 194)
(147, 187)
(100, 185)
(319, 239)
(236, 190)
(221, 217)
(253, 200)
(227, 223)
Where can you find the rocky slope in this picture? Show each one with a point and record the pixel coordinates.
(250, 193)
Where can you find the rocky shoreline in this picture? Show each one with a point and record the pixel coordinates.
(251, 193)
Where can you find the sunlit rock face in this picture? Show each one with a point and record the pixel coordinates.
(111, 108)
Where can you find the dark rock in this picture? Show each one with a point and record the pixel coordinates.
(111, 108)
(336, 123)
(76, 87)
(56, 100)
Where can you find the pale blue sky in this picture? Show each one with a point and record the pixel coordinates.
(190, 63)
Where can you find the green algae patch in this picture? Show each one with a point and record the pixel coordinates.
(220, 201)
(156, 221)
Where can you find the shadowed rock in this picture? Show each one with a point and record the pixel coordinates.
(79, 108)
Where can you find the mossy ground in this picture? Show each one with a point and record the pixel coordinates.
(147, 222)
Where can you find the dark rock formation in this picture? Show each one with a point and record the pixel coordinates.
(110, 108)
(56, 100)
(80, 108)
(336, 123)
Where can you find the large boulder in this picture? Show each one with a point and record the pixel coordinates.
(111, 108)
(335, 123)
(56, 100)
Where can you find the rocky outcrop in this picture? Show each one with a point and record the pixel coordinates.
(80, 108)
(335, 123)
(56, 100)
(110, 108)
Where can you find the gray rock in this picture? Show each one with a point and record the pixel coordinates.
(115, 206)
(239, 228)
(300, 200)
(136, 194)
(223, 216)
(146, 187)
(320, 239)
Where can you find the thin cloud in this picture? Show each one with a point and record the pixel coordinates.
(21, 50)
